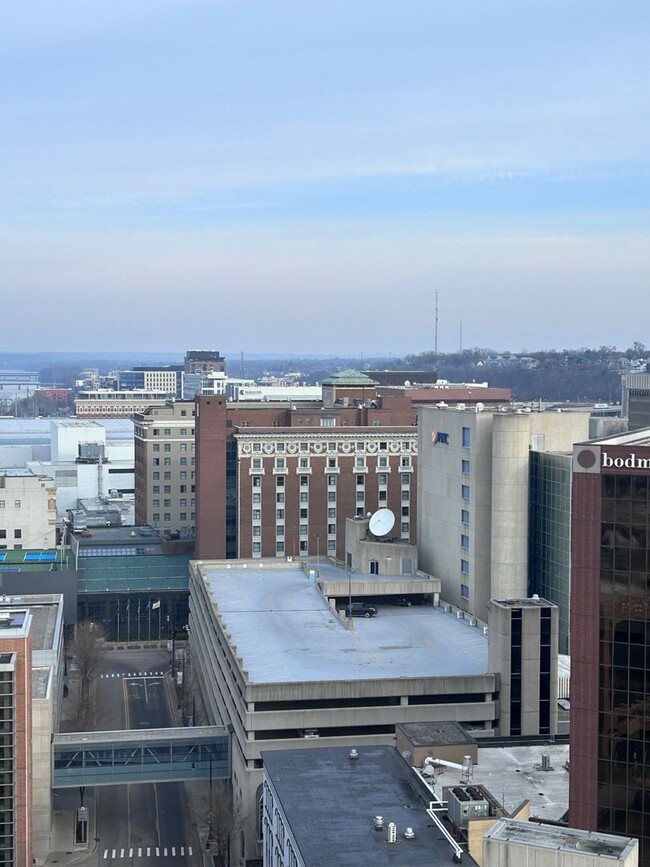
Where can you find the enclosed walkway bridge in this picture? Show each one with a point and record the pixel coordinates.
(152, 756)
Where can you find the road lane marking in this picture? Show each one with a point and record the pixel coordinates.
(121, 853)
(139, 853)
(157, 852)
(189, 850)
(174, 851)
(182, 850)
(113, 855)
(148, 851)
(155, 792)
(165, 851)
(105, 853)
(130, 853)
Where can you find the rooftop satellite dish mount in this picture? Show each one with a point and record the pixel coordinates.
(381, 522)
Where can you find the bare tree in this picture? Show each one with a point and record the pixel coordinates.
(88, 652)
(225, 822)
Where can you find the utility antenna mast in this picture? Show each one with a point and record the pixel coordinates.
(460, 342)
(435, 332)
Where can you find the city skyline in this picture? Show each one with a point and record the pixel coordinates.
(260, 175)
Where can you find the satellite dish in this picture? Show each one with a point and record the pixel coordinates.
(381, 522)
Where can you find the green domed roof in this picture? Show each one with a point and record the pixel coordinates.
(349, 378)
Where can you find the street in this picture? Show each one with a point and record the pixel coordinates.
(146, 822)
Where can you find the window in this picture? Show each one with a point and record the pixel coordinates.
(167, 447)
(155, 476)
(383, 462)
(331, 496)
(156, 462)
(405, 511)
(304, 547)
(464, 492)
(360, 463)
(257, 514)
(156, 517)
(360, 496)
(257, 447)
(257, 530)
(183, 462)
(17, 504)
(156, 504)
(328, 422)
(183, 502)
(464, 591)
(464, 516)
(257, 481)
(405, 527)
(183, 447)
(331, 513)
(156, 489)
(466, 437)
(383, 478)
(331, 481)
(279, 514)
(279, 530)
(406, 479)
(156, 432)
(2, 504)
(465, 467)
(304, 463)
(361, 480)
(257, 546)
(383, 446)
(167, 504)
(167, 476)
(156, 447)
(167, 431)
(331, 529)
(257, 498)
(304, 497)
(183, 475)
(280, 463)
(464, 541)
(304, 481)
(279, 497)
(405, 496)
(279, 482)
(405, 462)
(3, 534)
(183, 431)
(464, 567)
(331, 463)
(304, 513)
(167, 489)
(183, 516)
(304, 447)
(331, 447)
(279, 547)
(257, 463)
(304, 530)
(167, 462)
(279, 447)
(167, 517)
(361, 446)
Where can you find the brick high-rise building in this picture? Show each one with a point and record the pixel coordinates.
(610, 628)
(276, 479)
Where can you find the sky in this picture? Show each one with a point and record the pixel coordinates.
(303, 176)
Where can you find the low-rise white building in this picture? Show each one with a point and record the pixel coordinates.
(27, 510)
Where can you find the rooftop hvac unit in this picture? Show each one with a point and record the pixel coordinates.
(465, 803)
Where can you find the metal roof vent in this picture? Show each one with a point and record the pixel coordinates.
(378, 823)
(353, 754)
(5, 619)
(409, 834)
(392, 832)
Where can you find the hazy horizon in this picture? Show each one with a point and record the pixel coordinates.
(247, 175)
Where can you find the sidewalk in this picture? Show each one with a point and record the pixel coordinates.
(62, 847)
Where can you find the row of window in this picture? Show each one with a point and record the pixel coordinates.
(167, 475)
(167, 431)
(360, 446)
(17, 504)
(167, 462)
(18, 534)
(166, 518)
(167, 447)
(167, 489)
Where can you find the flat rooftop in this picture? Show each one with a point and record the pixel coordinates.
(304, 640)
(514, 774)
(330, 802)
(634, 438)
(588, 843)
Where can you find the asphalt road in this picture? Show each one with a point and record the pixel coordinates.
(145, 823)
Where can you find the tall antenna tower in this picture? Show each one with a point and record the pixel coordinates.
(435, 331)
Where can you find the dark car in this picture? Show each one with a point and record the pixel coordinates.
(360, 609)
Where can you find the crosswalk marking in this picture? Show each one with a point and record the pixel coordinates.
(147, 853)
(133, 674)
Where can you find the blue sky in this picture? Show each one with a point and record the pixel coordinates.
(304, 176)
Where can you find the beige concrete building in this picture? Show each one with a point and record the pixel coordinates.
(165, 468)
(511, 842)
(277, 661)
(27, 510)
(473, 497)
(107, 403)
